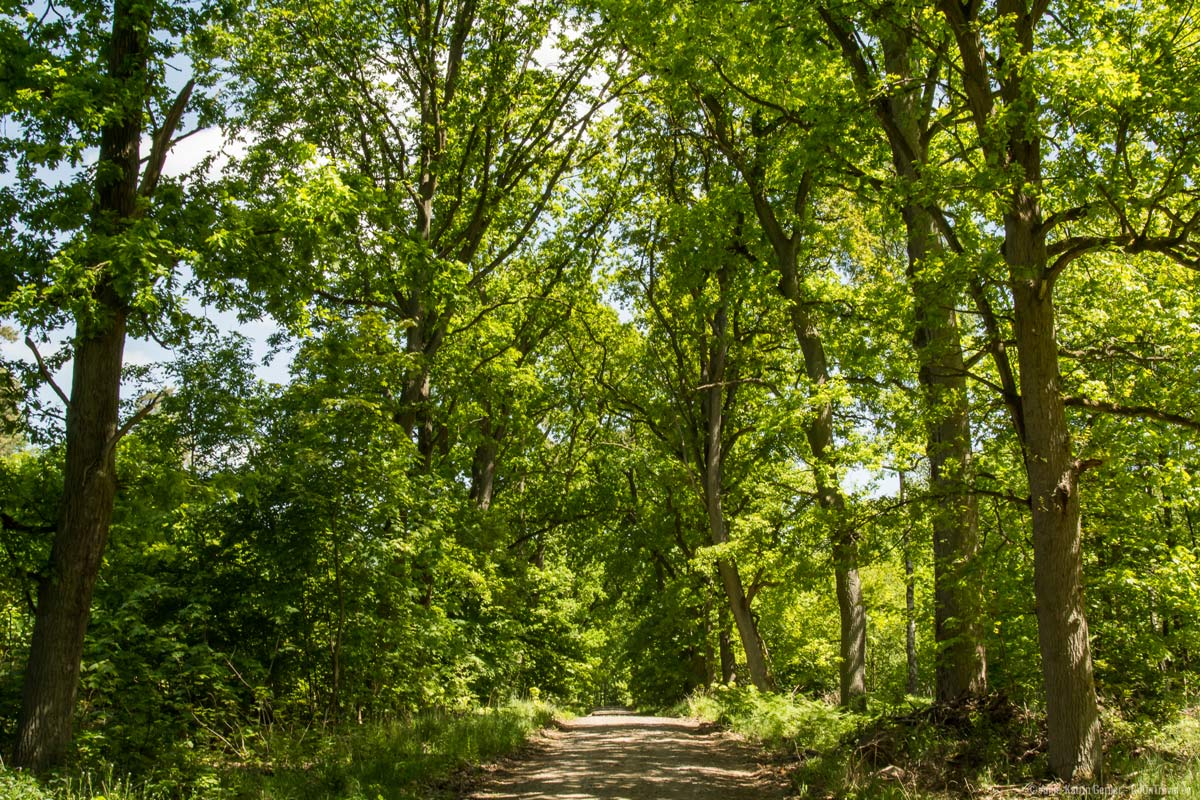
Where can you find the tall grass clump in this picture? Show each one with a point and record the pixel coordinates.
(1168, 765)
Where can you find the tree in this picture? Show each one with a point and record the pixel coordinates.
(408, 159)
(1047, 191)
(778, 159)
(900, 83)
(694, 294)
(92, 250)
(787, 242)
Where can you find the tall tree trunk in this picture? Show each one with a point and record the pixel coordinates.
(961, 661)
(335, 646)
(713, 401)
(912, 684)
(710, 666)
(851, 608)
(725, 644)
(65, 594)
(425, 332)
(1072, 713)
(785, 245)
(853, 615)
(89, 479)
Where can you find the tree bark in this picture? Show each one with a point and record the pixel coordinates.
(725, 645)
(45, 723)
(339, 632)
(961, 660)
(1072, 713)
(911, 684)
(65, 595)
(961, 663)
(713, 402)
(483, 463)
(853, 614)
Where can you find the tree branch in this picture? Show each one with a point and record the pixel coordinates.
(132, 422)
(163, 140)
(1146, 412)
(9, 524)
(45, 372)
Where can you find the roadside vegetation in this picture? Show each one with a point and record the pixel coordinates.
(433, 755)
(989, 748)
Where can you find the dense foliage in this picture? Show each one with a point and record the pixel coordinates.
(617, 351)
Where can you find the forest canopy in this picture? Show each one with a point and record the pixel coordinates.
(846, 350)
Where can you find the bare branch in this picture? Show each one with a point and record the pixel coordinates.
(132, 422)
(163, 140)
(45, 372)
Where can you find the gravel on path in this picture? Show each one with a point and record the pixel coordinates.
(616, 755)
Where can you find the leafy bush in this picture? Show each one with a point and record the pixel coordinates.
(19, 786)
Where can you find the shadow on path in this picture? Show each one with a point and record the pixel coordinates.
(621, 756)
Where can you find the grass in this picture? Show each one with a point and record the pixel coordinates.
(1168, 764)
(429, 756)
(987, 749)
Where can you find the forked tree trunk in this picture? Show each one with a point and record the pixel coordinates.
(756, 655)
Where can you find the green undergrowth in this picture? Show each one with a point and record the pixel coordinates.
(779, 721)
(429, 756)
(989, 748)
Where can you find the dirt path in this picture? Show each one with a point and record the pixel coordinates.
(614, 755)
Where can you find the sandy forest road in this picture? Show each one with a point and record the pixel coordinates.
(620, 756)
